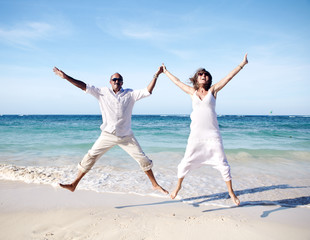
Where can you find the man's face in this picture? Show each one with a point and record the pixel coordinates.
(116, 82)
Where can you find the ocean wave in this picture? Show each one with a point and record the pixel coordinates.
(30, 174)
(202, 187)
(99, 179)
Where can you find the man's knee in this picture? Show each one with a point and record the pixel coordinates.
(88, 162)
(146, 165)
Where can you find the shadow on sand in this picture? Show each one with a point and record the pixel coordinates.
(283, 203)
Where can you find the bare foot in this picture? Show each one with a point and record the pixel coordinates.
(235, 199)
(159, 188)
(70, 187)
(175, 193)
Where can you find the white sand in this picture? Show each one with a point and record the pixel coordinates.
(33, 212)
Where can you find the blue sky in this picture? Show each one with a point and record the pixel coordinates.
(90, 40)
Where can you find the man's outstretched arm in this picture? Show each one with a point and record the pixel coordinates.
(152, 84)
(75, 82)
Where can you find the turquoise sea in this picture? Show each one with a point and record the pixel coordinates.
(269, 156)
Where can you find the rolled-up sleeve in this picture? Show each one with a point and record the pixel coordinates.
(139, 94)
(93, 91)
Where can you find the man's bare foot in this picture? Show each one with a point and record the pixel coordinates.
(235, 199)
(159, 188)
(70, 187)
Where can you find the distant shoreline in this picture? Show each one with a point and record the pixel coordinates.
(165, 115)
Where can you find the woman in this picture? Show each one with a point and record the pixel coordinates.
(205, 145)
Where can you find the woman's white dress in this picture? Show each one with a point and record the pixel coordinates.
(204, 145)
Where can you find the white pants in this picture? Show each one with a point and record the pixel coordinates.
(206, 152)
(105, 142)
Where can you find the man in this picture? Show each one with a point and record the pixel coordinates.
(116, 106)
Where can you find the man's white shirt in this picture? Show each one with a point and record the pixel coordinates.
(116, 109)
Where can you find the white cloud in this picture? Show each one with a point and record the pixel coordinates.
(170, 39)
(137, 30)
(27, 33)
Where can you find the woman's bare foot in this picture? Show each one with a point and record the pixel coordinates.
(175, 193)
(235, 199)
(70, 187)
(177, 189)
(232, 193)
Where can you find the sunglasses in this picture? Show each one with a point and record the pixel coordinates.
(117, 79)
(202, 73)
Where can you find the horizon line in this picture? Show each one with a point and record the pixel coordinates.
(145, 114)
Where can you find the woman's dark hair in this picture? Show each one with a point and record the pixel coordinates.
(195, 77)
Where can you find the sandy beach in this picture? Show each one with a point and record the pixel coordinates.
(36, 211)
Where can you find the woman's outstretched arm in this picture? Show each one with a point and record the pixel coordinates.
(218, 86)
(188, 89)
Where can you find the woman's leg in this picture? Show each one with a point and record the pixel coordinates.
(232, 194)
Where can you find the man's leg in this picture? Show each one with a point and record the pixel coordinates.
(156, 186)
(132, 147)
(71, 187)
(105, 142)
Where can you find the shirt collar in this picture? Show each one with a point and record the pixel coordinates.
(119, 92)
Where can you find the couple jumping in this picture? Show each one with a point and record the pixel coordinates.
(204, 146)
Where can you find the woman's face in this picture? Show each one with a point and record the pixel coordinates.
(202, 78)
